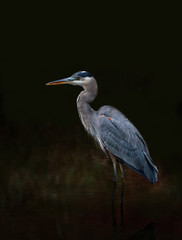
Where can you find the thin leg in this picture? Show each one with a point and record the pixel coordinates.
(114, 167)
(122, 191)
(122, 182)
(113, 192)
(121, 197)
(115, 171)
(121, 203)
(114, 222)
(122, 171)
(115, 177)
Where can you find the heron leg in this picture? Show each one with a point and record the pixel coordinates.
(115, 171)
(122, 183)
(115, 176)
(114, 166)
(122, 171)
(114, 179)
(113, 192)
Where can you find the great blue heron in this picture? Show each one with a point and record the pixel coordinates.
(115, 134)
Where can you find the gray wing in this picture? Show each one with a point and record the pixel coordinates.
(125, 142)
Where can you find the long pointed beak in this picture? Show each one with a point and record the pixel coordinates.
(60, 81)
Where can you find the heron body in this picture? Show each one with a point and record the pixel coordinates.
(115, 134)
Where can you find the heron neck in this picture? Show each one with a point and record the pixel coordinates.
(89, 93)
(85, 111)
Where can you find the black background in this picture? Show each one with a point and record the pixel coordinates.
(133, 52)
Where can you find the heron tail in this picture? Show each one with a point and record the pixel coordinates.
(143, 164)
(150, 169)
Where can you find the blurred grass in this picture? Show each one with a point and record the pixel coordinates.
(41, 161)
(48, 172)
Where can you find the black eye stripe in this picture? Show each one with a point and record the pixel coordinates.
(77, 78)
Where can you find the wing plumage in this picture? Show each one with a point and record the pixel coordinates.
(125, 142)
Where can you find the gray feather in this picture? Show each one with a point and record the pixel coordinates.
(125, 142)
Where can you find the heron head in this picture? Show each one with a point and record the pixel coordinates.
(81, 78)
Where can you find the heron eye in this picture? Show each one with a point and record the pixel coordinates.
(77, 78)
